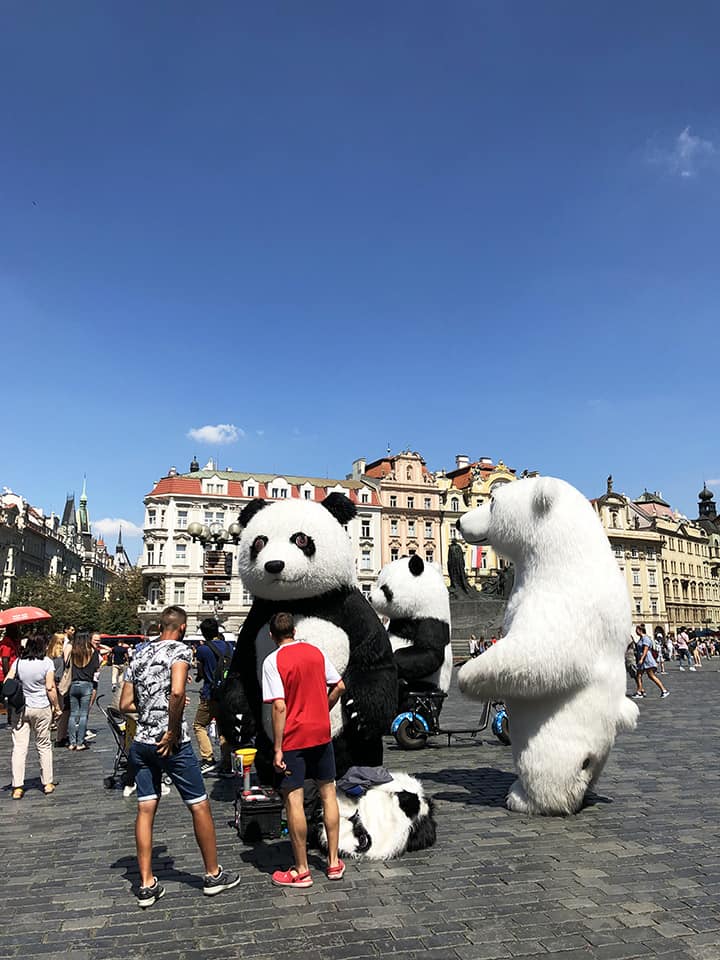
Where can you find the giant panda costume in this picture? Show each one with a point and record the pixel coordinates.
(295, 556)
(413, 595)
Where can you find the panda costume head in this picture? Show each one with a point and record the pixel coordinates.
(414, 596)
(295, 556)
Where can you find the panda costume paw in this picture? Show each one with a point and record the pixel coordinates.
(389, 820)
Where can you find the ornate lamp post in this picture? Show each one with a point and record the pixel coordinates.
(217, 564)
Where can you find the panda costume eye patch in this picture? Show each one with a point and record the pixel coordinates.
(303, 542)
(257, 545)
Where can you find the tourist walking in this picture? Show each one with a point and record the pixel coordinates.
(647, 664)
(85, 662)
(212, 650)
(303, 686)
(154, 688)
(35, 672)
(119, 660)
(683, 650)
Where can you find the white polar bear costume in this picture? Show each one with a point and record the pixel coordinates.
(560, 663)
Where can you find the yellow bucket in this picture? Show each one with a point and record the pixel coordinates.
(245, 757)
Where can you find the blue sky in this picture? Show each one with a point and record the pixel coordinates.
(481, 228)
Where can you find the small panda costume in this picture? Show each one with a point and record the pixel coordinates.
(295, 556)
(413, 595)
(387, 821)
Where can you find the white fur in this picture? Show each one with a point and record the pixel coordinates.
(415, 598)
(330, 568)
(559, 665)
(381, 816)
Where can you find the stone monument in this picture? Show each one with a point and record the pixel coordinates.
(476, 611)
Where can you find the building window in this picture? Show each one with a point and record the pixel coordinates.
(182, 519)
(428, 556)
(154, 595)
(364, 498)
(650, 553)
(150, 554)
(152, 518)
(634, 553)
(636, 577)
(393, 500)
(638, 606)
(394, 553)
(366, 591)
(393, 528)
(247, 598)
(428, 503)
(180, 553)
(409, 473)
(455, 504)
(161, 551)
(428, 529)
(179, 592)
(652, 578)
(618, 551)
(251, 490)
(365, 527)
(275, 493)
(307, 494)
(453, 532)
(365, 560)
(411, 503)
(411, 528)
(654, 607)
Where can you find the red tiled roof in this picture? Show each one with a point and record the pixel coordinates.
(176, 485)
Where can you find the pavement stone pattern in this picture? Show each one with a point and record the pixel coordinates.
(636, 874)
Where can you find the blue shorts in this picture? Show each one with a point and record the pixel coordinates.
(309, 763)
(182, 767)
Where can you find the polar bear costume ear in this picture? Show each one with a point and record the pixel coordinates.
(544, 496)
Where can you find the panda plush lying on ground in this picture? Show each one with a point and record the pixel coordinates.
(385, 822)
(295, 556)
(413, 595)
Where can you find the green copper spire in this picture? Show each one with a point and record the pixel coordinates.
(83, 516)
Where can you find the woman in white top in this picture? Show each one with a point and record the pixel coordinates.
(36, 673)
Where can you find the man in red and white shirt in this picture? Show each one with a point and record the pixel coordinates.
(303, 686)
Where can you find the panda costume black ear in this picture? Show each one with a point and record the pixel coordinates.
(248, 512)
(340, 507)
(416, 565)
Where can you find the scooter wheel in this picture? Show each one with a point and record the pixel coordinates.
(501, 728)
(410, 735)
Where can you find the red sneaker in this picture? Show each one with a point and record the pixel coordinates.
(291, 878)
(336, 873)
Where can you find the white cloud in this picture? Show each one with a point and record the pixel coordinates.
(687, 155)
(108, 528)
(221, 433)
(713, 483)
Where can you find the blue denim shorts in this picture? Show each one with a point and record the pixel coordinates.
(182, 767)
(309, 763)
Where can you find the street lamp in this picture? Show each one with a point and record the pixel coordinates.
(214, 537)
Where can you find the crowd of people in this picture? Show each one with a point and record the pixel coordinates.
(52, 683)
(646, 656)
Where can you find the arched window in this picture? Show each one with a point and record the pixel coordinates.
(455, 504)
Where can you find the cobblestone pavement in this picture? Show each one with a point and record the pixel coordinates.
(636, 874)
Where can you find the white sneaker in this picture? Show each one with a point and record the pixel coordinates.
(164, 790)
(129, 790)
(693, 670)
(683, 669)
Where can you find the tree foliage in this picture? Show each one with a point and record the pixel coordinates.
(79, 604)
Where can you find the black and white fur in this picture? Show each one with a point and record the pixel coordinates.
(413, 595)
(295, 556)
(387, 821)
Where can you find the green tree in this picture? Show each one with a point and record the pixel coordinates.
(75, 603)
(119, 613)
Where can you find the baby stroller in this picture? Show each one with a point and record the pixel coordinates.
(118, 725)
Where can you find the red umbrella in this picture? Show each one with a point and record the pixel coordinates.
(22, 615)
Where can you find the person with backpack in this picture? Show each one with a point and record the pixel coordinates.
(647, 652)
(214, 654)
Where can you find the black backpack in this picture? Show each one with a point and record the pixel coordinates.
(223, 660)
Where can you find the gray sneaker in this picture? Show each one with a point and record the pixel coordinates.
(147, 896)
(223, 881)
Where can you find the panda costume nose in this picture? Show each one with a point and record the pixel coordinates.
(275, 566)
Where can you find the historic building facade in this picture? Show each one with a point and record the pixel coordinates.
(420, 509)
(173, 564)
(637, 546)
(667, 560)
(35, 544)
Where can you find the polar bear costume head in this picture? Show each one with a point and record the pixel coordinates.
(560, 663)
